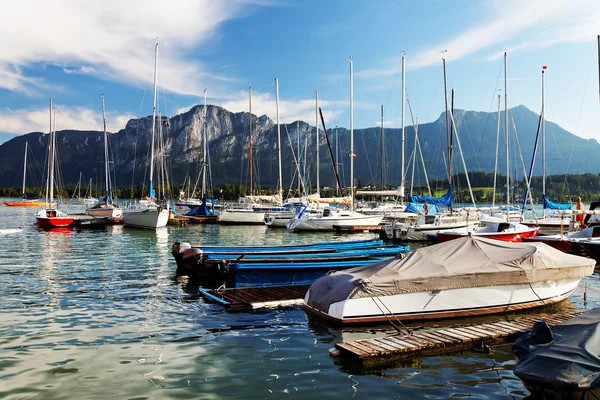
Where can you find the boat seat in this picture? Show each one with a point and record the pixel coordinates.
(596, 231)
(503, 226)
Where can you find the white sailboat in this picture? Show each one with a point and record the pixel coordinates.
(106, 207)
(331, 217)
(26, 202)
(148, 213)
(248, 211)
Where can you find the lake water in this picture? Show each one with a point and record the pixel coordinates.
(100, 314)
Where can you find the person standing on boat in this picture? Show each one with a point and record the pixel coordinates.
(580, 217)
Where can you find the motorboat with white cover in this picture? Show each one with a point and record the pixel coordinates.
(329, 218)
(464, 277)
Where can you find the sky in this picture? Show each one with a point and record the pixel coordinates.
(73, 51)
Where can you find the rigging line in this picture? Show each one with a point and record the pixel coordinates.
(491, 105)
(393, 84)
(524, 169)
(581, 109)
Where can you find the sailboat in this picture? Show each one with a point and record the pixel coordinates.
(331, 217)
(88, 199)
(201, 213)
(148, 213)
(51, 217)
(551, 222)
(505, 231)
(247, 211)
(106, 207)
(26, 202)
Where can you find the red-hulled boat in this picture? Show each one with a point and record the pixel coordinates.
(505, 231)
(50, 217)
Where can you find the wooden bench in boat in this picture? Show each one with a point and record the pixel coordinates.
(257, 297)
(399, 347)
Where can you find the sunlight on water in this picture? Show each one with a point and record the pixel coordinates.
(99, 313)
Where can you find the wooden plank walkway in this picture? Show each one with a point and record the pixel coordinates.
(357, 228)
(257, 297)
(433, 342)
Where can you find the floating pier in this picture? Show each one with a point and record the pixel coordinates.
(357, 228)
(259, 297)
(370, 352)
(88, 221)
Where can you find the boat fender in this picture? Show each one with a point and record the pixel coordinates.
(183, 246)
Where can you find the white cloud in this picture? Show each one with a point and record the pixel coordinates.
(112, 39)
(560, 21)
(77, 118)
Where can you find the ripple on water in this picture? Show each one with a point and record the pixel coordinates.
(99, 313)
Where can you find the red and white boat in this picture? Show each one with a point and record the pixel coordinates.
(505, 231)
(50, 217)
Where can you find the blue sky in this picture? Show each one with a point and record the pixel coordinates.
(74, 51)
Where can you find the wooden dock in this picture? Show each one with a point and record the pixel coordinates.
(258, 297)
(370, 352)
(88, 221)
(357, 228)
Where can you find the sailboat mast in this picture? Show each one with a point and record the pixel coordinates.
(448, 132)
(205, 139)
(506, 134)
(250, 102)
(317, 140)
(279, 138)
(352, 134)
(52, 152)
(543, 144)
(105, 153)
(402, 122)
(24, 169)
(598, 67)
(496, 161)
(150, 189)
(382, 152)
(299, 159)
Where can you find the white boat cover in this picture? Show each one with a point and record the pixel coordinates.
(461, 263)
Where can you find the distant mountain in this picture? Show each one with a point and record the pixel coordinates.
(5, 137)
(229, 138)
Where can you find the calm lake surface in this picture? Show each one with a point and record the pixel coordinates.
(100, 314)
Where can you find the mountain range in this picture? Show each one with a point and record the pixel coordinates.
(228, 135)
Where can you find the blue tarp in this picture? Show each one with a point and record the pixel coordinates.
(446, 200)
(555, 206)
(420, 209)
(200, 210)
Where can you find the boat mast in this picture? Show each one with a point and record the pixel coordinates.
(250, 101)
(352, 155)
(105, 153)
(24, 169)
(448, 132)
(150, 189)
(496, 162)
(382, 152)
(317, 139)
(279, 138)
(205, 139)
(402, 122)
(79, 186)
(599, 67)
(543, 145)
(506, 139)
(52, 149)
(299, 162)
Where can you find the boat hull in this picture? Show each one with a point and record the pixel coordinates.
(452, 303)
(241, 217)
(326, 224)
(24, 204)
(421, 232)
(150, 218)
(54, 222)
(514, 237)
(105, 212)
